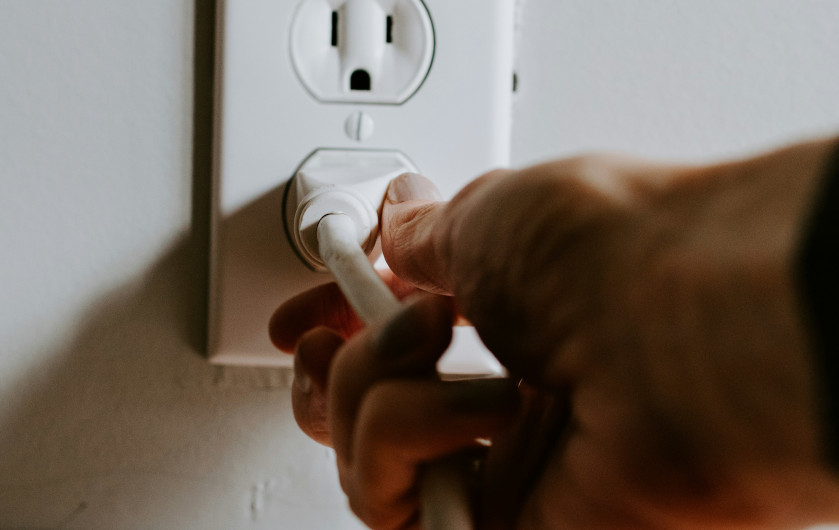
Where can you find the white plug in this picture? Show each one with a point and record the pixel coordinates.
(348, 182)
(362, 51)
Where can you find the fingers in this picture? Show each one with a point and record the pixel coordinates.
(312, 363)
(388, 414)
(418, 230)
(385, 412)
(402, 425)
(325, 306)
(406, 347)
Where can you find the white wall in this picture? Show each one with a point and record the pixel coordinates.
(675, 78)
(108, 415)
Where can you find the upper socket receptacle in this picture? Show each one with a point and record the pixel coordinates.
(362, 51)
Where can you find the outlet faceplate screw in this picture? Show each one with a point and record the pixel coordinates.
(359, 126)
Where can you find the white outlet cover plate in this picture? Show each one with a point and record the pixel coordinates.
(456, 127)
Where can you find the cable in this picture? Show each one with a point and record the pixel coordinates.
(444, 498)
(340, 251)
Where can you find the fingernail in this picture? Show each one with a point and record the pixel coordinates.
(303, 383)
(301, 379)
(412, 187)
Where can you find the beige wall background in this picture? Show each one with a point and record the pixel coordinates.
(109, 416)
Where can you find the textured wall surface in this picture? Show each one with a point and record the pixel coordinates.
(109, 417)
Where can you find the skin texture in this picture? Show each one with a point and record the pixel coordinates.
(661, 375)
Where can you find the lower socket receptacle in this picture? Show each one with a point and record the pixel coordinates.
(350, 182)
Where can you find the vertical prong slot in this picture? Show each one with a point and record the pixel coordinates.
(335, 29)
(389, 32)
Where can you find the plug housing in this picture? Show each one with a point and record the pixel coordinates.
(349, 182)
(362, 51)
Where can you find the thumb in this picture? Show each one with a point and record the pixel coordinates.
(412, 227)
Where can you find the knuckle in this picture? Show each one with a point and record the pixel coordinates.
(311, 416)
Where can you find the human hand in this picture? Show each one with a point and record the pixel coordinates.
(650, 311)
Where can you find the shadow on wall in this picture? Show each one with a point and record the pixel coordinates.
(129, 426)
(131, 405)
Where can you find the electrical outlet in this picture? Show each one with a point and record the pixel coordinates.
(437, 96)
(362, 51)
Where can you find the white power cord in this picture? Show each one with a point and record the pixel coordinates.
(444, 498)
(340, 251)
